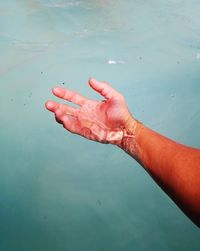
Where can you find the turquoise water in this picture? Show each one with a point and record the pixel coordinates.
(59, 191)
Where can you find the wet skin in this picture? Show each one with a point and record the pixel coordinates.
(102, 121)
(175, 167)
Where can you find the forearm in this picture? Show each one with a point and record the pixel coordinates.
(175, 167)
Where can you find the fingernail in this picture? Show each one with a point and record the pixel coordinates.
(48, 105)
(55, 89)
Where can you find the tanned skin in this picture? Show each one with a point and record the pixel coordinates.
(175, 167)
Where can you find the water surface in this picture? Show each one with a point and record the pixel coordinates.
(59, 191)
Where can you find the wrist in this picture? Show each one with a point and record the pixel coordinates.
(129, 141)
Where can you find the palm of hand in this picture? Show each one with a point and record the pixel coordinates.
(99, 121)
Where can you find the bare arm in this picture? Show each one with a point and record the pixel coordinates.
(175, 167)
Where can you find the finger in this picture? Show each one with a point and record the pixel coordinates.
(69, 95)
(58, 115)
(70, 123)
(104, 89)
(61, 108)
(51, 105)
(58, 120)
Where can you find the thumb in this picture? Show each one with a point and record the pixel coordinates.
(104, 89)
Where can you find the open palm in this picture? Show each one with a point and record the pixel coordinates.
(101, 121)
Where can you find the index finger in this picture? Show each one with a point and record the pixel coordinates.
(69, 95)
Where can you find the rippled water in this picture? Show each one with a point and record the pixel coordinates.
(59, 191)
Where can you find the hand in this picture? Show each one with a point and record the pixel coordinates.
(102, 121)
